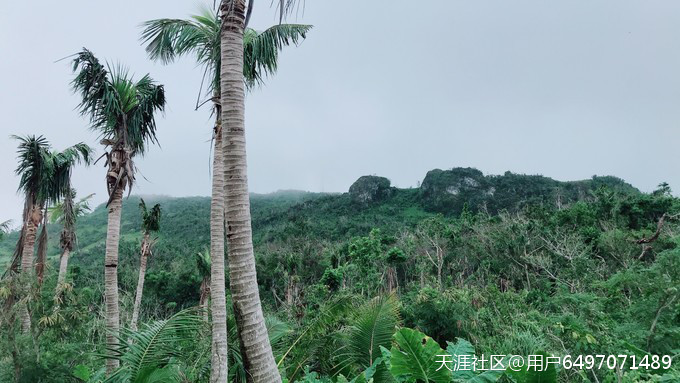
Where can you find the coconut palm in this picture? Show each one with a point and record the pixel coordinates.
(44, 178)
(151, 220)
(168, 39)
(257, 356)
(122, 110)
(67, 213)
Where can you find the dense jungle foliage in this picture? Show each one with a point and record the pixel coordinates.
(352, 282)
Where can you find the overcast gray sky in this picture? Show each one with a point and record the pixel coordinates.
(567, 89)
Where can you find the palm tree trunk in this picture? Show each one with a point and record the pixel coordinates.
(205, 297)
(27, 261)
(144, 255)
(258, 358)
(63, 268)
(111, 277)
(219, 364)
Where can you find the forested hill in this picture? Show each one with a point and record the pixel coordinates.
(371, 202)
(512, 263)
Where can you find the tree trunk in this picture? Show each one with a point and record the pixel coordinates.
(258, 359)
(144, 256)
(63, 268)
(205, 297)
(27, 261)
(111, 277)
(219, 366)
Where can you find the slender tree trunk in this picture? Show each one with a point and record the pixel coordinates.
(258, 358)
(63, 268)
(144, 256)
(111, 277)
(42, 252)
(27, 262)
(205, 297)
(219, 364)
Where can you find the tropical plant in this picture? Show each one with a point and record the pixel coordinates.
(159, 352)
(151, 220)
(45, 177)
(167, 40)
(4, 228)
(67, 213)
(122, 111)
(371, 328)
(414, 356)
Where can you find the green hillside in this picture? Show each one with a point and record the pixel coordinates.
(527, 264)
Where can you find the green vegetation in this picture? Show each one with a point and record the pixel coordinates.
(598, 273)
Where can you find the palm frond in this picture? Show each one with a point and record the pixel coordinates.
(119, 108)
(168, 39)
(155, 347)
(261, 49)
(35, 167)
(372, 327)
(151, 219)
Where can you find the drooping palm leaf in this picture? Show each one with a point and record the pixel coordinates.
(155, 347)
(261, 49)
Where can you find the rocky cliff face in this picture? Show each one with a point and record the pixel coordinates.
(368, 189)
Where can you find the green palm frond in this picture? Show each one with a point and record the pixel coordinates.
(261, 49)
(151, 219)
(46, 174)
(35, 167)
(155, 347)
(120, 109)
(168, 39)
(318, 340)
(78, 209)
(372, 327)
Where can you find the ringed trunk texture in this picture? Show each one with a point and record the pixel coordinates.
(144, 256)
(111, 277)
(256, 350)
(219, 364)
(63, 268)
(27, 262)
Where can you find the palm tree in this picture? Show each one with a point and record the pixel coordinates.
(4, 228)
(45, 178)
(257, 356)
(151, 220)
(67, 213)
(122, 110)
(168, 39)
(203, 265)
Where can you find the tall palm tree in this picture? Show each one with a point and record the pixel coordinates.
(44, 178)
(67, 213)
(122, 110)
(257, 356)
(151, 220)
(168, 39)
